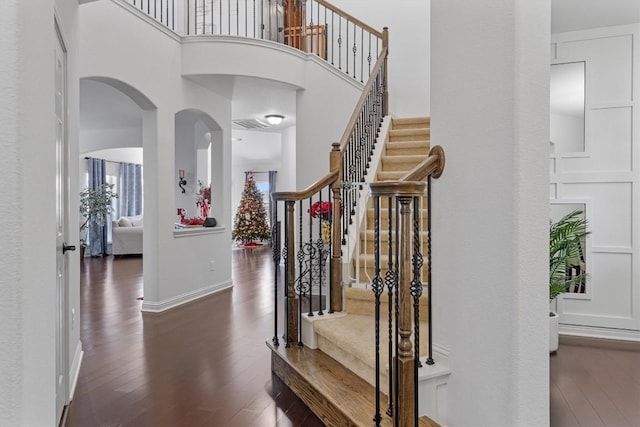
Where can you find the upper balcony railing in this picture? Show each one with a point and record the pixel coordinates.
(312, 26)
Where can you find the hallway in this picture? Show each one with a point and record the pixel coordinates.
(203, 364)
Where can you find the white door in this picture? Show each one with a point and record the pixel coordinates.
(61, 248)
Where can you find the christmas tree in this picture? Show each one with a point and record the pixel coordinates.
(251, 218)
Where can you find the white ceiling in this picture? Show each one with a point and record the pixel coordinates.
(573, 15)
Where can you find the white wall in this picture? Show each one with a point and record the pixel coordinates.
(27, 355)
(138, 55)
(605, 179)
(490, 112)
(409, 49)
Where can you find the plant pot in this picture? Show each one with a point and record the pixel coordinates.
(553, 332)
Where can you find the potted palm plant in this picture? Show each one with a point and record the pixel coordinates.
(95, 206)
(566, 240)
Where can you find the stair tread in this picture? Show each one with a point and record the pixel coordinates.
(334, 393)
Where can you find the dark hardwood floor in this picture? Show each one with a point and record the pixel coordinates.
(595, 383)
(206, 363)
(203, 364)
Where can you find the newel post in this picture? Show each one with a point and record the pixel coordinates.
(385, 44)
(291, 307)
(335, 163)
(406, 361)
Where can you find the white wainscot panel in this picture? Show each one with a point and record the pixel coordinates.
(609, 71)
(610, 216)
(609, 143)
(553, 191)
(611, 304)
(552, 166)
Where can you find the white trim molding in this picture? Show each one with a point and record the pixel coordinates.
(596, 332)
(158, 307)
(74, 371)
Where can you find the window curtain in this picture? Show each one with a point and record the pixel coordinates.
(98, 244)
(130, 188)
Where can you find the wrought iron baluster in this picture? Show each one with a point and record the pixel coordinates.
(285, 256)
(361, 54)
(377, 287)
(321, 245)
(390, 281)
(416, 292)
(396, 331)
(346, 52)
(369, 55)
(300, 284)
(332, 35)
(254, 19)
(311, 257)
(275, 240)
(311, 27)
(211, 32)
(430, 360)
(339, 42)
(237, 18)
(246, 30)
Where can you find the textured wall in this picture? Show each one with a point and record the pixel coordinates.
(10, 254)
(490, 112)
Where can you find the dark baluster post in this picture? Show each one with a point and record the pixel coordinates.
(361, 54)
(430, 360)
(211, 32)
(320, 247)
(416, 292)
(332, 35)
(377, 287)
(346, 51)
(354, 49)
(275, 240)
(396, 306)
(385, 99)
(339, 42)
(390, 281)
(311, 256)
(301, 290)
(311, 27)
(291, 303)
(237, 18)
(335, 288)
(246, 23)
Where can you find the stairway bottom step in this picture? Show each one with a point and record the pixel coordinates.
(335, 394)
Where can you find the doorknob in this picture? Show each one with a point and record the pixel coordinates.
(66, 247)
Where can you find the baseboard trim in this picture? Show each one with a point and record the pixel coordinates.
(168, 304)
(74, 372)
(603, 333)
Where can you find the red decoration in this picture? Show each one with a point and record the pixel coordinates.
(322, 210)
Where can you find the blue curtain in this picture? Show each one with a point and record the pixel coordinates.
(272, 189)
(97, 240)
(130, 189)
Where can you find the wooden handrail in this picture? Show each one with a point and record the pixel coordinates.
(397, 188)
(350, 18)
(433, 166)
(329, 178)
(363, 98)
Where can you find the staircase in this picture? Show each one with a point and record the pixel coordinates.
(334, 372)
(407, 146)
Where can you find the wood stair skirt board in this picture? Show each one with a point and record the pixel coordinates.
(336, 395)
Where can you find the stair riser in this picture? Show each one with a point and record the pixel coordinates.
(411, 123)
(415, 135)
(408, 151)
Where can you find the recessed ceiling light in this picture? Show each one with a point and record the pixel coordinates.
(236, 139)
(274, 119)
